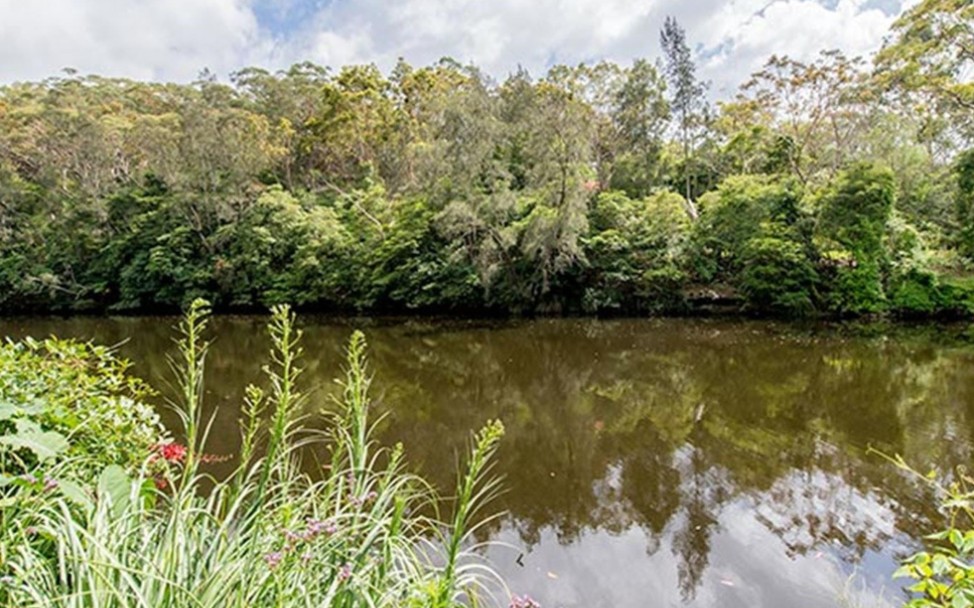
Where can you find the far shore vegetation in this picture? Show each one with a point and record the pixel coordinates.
(834, 187)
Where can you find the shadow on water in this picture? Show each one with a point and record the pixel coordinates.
(647, 462)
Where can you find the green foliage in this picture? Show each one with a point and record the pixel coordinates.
(944, 572)
(741, 209)
(73, 407)
(927, 59)
(856, 290)
(362, 534)
(282, 251)
(633, 251)
(855, 213)
(915, 294)
(778, 277)
(964, 201)
(437, 189)
(856, 210)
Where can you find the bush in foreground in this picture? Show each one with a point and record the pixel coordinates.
(364, 534)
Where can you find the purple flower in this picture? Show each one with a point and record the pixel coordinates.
(523, 601)
(344, 573)
(316, 527)
(291, 537)
(49, 484)
(273, 559)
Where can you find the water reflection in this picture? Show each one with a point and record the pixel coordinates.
(663, 463)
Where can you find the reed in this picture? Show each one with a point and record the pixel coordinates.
(270, 535)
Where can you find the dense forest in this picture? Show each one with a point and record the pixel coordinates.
(838, 186)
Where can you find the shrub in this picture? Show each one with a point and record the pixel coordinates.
(856, 210)
(632, 251)
(964, 201)
(857, 290)
(72, 403)
(364, 533)
(742, 208)
(944, 571)
(777, 277)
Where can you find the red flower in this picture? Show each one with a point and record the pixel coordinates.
(172, 451)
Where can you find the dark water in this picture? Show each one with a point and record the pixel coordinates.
(649, 463)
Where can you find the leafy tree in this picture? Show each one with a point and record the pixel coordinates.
(633, 250)
(640, 113)
(778, 277)
(741, 209)
(687, 96)
(817, 110)
(964, 206)
(855, 214)
(931, 54)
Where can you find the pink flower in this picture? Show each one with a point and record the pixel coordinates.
(523, 601)
(316, 527)
(345, 573)
(273, 559)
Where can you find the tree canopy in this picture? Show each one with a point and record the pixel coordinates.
(834, 186)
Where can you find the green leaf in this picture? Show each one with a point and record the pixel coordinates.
(44, 444)
(8, 410)
(76, 494)
(903, 572)
(115, 485)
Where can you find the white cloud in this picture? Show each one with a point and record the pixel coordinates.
(797, 28)
(175, 39)
(734, 37)
(147, 39)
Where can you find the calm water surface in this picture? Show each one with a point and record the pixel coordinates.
(647, 462)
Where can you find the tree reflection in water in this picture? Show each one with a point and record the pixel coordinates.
(690, 436)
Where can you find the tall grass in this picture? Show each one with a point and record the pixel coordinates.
(269, 535)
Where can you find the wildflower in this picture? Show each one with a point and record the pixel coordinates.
(292, 538)
(523, 601)
(316, 527)
(345, 573)
(172, 451)
(273, 559)
(49, 484)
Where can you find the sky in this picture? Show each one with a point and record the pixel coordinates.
(175, 40)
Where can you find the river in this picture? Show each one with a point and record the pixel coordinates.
(676, 462)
